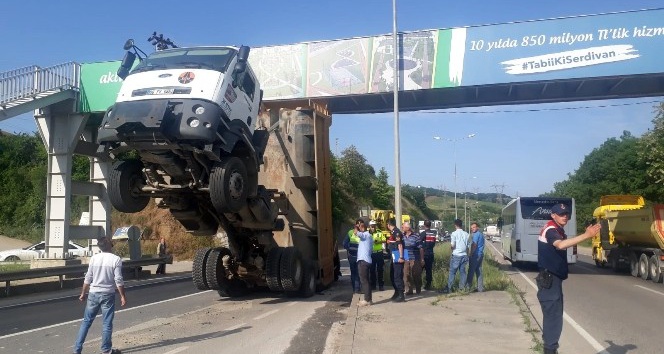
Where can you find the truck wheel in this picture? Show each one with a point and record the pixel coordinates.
(272, 269)
(644, 269)
(633, 265)
(229, 185)
(233, 288)
(308, 286)
(214, 269)
(655, 270)
(290, 269)
(198, 269)
(123, 183)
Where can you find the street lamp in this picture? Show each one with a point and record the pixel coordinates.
(456, 213)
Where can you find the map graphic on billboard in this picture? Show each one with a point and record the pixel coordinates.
(338, 67)
(281, 70)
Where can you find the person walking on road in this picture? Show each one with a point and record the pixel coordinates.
(377, 260)
(459, 259)
(412, 269)
(364, 261)
(428, 238)
(161, 252)
(395, 246)
(552, 248)
(476, 257)
(104, 275)
(351, 243)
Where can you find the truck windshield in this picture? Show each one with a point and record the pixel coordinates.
(187, 58)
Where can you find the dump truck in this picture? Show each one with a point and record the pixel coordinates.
(631, 237)
(189, 130)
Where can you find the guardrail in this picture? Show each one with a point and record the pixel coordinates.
(60, 272)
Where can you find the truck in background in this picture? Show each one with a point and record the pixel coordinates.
(632, 236)
(492, 233)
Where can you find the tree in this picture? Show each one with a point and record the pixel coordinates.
(651, 150)
(356, 174)
(382, 195)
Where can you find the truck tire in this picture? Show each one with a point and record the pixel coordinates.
(655, 270)
(290, 269)
(198, 269)
(214, 269)
(124, 178)
(272, 269)
(229, 185)
(308, 286)
(633, 264)
(644, 269)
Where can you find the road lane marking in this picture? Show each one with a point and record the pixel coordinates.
(265, 314)
(232, 328)
(651, 290)
(177, 350)
(592, 341)
(79, 320)
(292, 303)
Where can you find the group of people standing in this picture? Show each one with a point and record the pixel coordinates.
(410, 254)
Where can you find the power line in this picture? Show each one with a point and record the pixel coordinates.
(499, 192)
(541, 109)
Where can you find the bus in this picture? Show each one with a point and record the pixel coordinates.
(521, 222)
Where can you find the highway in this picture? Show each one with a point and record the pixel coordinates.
(171, 316)
(605, 312)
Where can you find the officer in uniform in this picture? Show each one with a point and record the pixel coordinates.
(428, 238)
(377, 261)
(395, 246)
(351, 242)
(552, 263)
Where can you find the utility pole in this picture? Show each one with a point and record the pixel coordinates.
(499, 192)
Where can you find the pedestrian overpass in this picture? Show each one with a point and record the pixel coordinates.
(592, 57)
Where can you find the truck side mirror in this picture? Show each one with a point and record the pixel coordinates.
(125, 66)
(243, 54)
(240, 68)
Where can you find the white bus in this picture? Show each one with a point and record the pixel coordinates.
(522, 221)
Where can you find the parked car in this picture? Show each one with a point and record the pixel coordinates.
(37, 250)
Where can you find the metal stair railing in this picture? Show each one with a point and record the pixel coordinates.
(33, 82)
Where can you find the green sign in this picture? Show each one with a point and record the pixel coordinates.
(99, 86)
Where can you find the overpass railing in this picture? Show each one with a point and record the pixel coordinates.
(31, 81)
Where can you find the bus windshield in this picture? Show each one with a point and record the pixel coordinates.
(187, 58)
(540, 208)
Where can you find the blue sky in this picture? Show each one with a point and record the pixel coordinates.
(509, 148)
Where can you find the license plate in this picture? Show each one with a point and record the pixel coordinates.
(161, 91)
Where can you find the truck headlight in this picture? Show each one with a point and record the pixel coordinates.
(199, 110)
(193, 122)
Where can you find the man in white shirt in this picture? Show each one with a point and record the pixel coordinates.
(459, 259)
(364, 250)
(103, 277)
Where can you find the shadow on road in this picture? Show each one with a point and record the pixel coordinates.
(614, 348)
(198, 338)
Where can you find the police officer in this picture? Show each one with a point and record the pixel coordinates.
(428, 237)
(552, 263)
(395, 246)
(377, 260)
(351, 243)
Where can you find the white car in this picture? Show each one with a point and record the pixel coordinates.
(37, 250)
(495, 238)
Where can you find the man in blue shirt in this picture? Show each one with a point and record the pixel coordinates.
(459, 259)
(476, 256)
(364, 249)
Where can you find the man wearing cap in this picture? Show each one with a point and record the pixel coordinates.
(552, 264)
(377, 260)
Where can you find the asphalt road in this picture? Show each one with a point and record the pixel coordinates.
(171, 316)
(606, 312)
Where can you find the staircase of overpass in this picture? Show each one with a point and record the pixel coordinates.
(25, 89)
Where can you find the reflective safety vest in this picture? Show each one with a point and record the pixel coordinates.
(351, 243)
(379, 239)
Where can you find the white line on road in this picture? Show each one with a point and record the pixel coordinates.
(266, 314)
(177, 350)
(592, 341)
(232, 328)
(654, 291)
(75, 321)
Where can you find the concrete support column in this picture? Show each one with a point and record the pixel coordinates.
(60, 134)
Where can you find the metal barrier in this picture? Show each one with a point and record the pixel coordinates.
(80, 270)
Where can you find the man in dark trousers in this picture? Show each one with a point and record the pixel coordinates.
(161, 252)
(428, 237)
(395, 245)
(552, 262)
